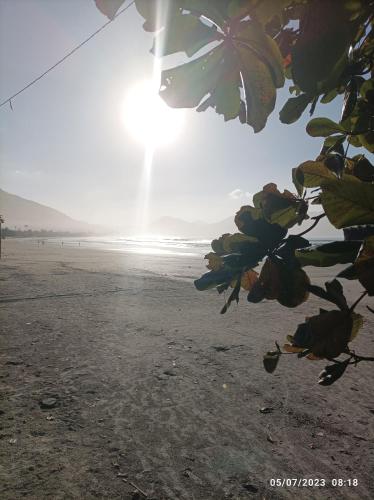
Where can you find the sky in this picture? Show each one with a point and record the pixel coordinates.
(64, 143)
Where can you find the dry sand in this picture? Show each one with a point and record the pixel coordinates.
(156, 391)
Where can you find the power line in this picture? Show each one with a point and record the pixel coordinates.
(9, 100)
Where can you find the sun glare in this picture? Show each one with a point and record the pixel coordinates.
(148, 119)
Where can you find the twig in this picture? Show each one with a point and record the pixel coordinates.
(358, 358)
(357, 301)
(145, 495)
(316, 220)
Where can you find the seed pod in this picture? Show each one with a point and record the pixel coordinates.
(270, 361)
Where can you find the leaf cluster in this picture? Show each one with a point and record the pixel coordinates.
(237, 53)
(263, 236)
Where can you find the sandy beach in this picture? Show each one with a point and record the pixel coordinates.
(151, 393)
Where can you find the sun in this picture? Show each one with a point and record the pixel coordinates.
(148, 119)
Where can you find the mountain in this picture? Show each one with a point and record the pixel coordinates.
(26, 214)
(19, 212)
(172, 226)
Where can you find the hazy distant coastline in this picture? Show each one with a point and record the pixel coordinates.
(23, 215)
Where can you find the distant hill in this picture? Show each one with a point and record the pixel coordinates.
(26, 214)
(172, 226)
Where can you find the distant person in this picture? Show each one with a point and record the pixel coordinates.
(62, 243)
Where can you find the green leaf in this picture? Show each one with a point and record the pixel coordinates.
(235, 248)
(335, 292)
(156, 13)
(233, 296)
(239, 242)
(278, 281)
(349, 273)
(330, 96)
(284, 208)
(185, 33)
(334, 143)
(215, 262)
(294, 108)
(213, 10)
(217, 244)
(225, 99)
(267, 10)
(186, 85)
(213, 279)
(367, 141)
(251, 35)
(364, 265)
(294, 290)
(251, 61)
(332, 373)
(288, 217)
(354, 140)
(299, 187)
(325, 36)
(335, 163)
(256, 294)
(214, 75)
(330, 254)
(319, 292)
(348, 202)
(292, 243)
(366, 88)
(363, 169)
(326, 334)
(259, 88)
(313, 173)
(323, 127)
(261, 71)
(235, 262)
(249, 220)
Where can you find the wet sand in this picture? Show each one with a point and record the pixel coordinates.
(153, 392)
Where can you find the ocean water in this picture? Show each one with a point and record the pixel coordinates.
(149, 245)
(143, 245)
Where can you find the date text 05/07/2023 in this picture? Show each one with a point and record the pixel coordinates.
(303, 482)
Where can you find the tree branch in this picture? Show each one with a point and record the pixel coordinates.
(316, 220)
